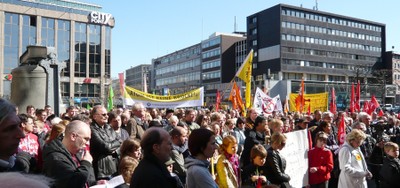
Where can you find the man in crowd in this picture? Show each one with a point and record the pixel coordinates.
(256, 136)
(152, 171)
(10, 135)
(67, 161)
(29, 148)
(137, 124)
(179, 140)
(104, 145)
(189, 120)
(71, 113)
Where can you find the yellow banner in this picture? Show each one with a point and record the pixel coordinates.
(317, 101)
(188, 99)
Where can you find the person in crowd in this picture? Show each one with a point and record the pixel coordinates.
(365, 118)
(317, 118)
(30, 110)
(131, 148)
(172, 123)
(202, 146)
(71, 112)
(228, 170)
(203, 120)
(276, 126)
(29, 151)
(151, 171)
(10, 136)
(82, 117)
(216, 128)
(124, 119)
(104, 145)
(155, 114)
(179, 137)
(57, 131)
(137, 124)
(301, 124)
(218, 117)
(255, 136)
(239, 131)
(189, 120)
(275, 163)
(127, 166)
(353, 167)
(66, 161)
(252, 175)
(390, 171)
(41, 116)
(320, 162)
(376, 159)
(170, 167)
(115, 122)
(17, 180)
(250, 120)
(165, 119)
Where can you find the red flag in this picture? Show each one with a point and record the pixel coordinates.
(121, 83)
(218, 101)
(357, 100)
(236, 98)
(332, 106)
(352, 100)
(342, 131)
(366, 106)
(380, 113)
(300, 98)
(373, 105)
(309, 109)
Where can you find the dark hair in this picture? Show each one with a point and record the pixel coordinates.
(176, 131)
(111, 116)
(152, 136)
(24, 117)
(258, 150)
(259, 120)
(323, 124)
(129, 146)
(29, 106)
(198, 140)
(155, 123)
(240, 120)
(82, 117)
(39, 112)
(199, 119)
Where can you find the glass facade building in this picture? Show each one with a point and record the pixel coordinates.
(81, 38)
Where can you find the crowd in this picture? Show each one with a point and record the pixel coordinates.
(193, 147)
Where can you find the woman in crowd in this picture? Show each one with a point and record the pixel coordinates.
(353, 167)
(126, 167)
(131, 147)
(228, 170)
(202, 146)
(203, 120)
(275, 165)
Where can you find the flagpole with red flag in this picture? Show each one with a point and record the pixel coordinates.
(300, 98)
(217, 101)
(357, 100)
(341, 131)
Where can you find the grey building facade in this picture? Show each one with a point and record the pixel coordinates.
(138, 77)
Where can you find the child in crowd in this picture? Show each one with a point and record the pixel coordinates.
(251, 175)
(390, 171)
(320, 162)
(228, 171)
(170, 167)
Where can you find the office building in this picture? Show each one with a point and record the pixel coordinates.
(79, 31)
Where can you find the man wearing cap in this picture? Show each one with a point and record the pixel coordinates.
(301, 124)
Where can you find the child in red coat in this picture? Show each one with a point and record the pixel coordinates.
(320, 162)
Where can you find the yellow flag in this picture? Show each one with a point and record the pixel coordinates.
(244, 73)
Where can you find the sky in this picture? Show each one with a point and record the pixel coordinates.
(145, 30)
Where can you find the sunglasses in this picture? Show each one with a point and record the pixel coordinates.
(104, 115)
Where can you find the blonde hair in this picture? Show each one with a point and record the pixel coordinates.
(356, 134)
(226, 141)
(277, 139)
(126, 167)
(275, 123)
(390, 146)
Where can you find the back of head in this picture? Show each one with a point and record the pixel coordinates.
(198, 140)
(6, 108)
(76, 126)
(152, 136)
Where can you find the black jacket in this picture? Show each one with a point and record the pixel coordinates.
(58, 164)
(152, 173)
(104, 147)
(252, 139)
(390, 173)
(275, 166)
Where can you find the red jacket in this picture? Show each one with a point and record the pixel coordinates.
(323, 160)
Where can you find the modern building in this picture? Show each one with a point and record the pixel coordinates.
(321, 47)
(79, 31)
(138, 77)
(391, 77)
(210, 63)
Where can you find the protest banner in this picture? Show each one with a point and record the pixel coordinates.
(191, 98)
(295, 153)
(265, 104)
(318, 101)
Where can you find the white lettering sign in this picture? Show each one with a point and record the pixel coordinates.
(101, 18)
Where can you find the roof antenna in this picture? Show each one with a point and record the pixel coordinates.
(234, 25)
(316, 4)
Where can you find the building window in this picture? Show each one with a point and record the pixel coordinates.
(254, 42)
(108, 52)
(254, 31)
(48, 30)
(28, 31)
(63, 43)
(94, 51)
(80, 49)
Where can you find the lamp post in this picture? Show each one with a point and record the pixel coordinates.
(80, 93)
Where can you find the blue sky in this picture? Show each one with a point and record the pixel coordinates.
(149, 29)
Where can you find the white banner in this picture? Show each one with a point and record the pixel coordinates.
(266, 104)
(296, 154)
